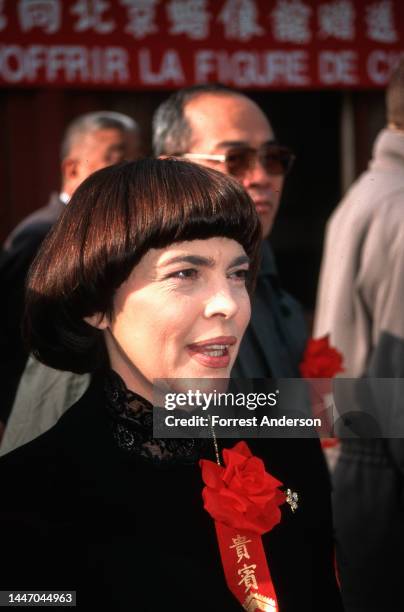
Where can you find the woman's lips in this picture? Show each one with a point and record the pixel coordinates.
(213, 353)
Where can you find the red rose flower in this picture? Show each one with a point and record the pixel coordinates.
(242, 494)
(320, 360)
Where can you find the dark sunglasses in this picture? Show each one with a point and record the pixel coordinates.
(276, 160)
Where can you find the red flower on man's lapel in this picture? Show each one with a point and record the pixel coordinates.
(320, 359)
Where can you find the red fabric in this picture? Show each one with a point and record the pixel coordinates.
(242, 494)
(320, 360)
(243, 499)
(245, 567)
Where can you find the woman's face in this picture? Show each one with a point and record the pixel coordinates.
(181, 314)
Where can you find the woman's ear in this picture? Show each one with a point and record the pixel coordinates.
(98, 320)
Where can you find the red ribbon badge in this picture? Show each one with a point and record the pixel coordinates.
(244, 501)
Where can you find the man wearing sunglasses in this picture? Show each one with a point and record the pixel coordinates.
(221, 128)
(225, 130)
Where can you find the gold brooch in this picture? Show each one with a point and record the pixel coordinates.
(292, 498)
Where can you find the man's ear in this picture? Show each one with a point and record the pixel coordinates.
(69, 168)
(98, 320)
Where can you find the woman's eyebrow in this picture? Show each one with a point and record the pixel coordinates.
(195, 260)
(241, 259)
(199, 260)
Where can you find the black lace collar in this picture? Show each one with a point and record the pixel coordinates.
(132, 427)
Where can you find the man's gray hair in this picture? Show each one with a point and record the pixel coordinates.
(90, 122)
(171, 130)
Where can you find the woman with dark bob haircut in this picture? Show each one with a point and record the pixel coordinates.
(115, 218)
(147, 275)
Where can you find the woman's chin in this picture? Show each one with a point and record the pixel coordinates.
(203, 381)
(207, 372)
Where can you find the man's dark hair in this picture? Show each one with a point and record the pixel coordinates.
(395, 97)
(171, 131)
(115, 216)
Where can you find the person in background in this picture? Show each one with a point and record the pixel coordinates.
(361, 287)
(360, 305)
(91, 141)
(221, 128)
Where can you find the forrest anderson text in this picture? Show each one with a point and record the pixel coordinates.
(265, 421)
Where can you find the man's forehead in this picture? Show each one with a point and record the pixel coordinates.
(96, 136)
(106, 134)
(224, 119)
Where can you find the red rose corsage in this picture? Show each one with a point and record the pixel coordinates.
(244, 500)
(242, 494)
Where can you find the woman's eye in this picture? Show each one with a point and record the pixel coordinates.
(189, 273)
(241, 275)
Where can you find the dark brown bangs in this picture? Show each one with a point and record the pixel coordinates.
(195, 203)
(152, 204)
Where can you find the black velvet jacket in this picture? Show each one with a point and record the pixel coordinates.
(84, 507)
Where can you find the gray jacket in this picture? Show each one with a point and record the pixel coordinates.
(361, 289)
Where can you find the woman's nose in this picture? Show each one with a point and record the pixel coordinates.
(222, 303)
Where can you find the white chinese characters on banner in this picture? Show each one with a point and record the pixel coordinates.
(43, 14)
(337, 20)
(291, 21)
(239, 18)
(189, 17)
(141, 17)
(90, 14)
(380, 22)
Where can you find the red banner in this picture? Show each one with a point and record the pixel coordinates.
(162, 44)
